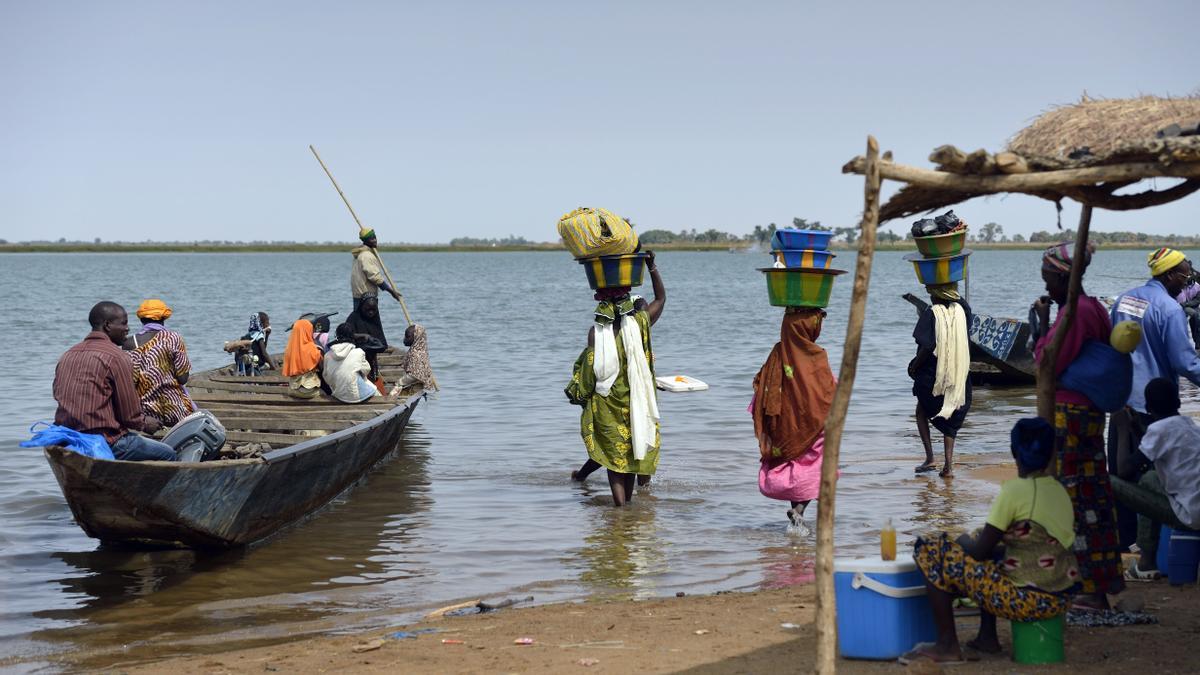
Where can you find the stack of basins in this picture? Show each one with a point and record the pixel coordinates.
(805, 278)
(941, 258)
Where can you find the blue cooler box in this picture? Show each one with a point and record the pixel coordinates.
(881, 607)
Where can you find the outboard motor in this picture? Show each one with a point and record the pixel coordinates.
(198, 437)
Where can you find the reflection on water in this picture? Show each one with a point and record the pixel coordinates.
(131, 602)
(478, 501)
(623, 554)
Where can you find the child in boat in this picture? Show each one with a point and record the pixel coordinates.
(1031, 526)
(793, 392)
(613, 382)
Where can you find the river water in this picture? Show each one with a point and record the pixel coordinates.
(478, 501)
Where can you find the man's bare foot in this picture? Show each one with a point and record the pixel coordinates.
(986, 646)
(946, 472)
(929, 465)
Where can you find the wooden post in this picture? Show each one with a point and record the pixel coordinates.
(1047, 380)
(826, 619)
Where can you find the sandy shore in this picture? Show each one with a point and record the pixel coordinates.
(726, 633)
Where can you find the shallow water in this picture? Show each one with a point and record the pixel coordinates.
(477, 502)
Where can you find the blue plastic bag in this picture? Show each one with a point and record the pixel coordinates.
(85, 444)
(1102, 374)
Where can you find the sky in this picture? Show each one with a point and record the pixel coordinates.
(189, 121)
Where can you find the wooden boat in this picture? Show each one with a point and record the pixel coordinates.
(319, 448)
(1000, 352)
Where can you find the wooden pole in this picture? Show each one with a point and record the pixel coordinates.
(1047, 380)
(386, 273)
(826, 619)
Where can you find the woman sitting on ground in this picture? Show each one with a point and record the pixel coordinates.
(1019, 567)
(346, 369)
(302, 361)
(160, 366)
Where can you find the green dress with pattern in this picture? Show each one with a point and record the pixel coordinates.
(604, 423)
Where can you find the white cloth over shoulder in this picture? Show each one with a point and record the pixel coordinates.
(345, 365)
(643, 398)
(953, 354)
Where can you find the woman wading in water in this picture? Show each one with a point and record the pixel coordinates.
(941, 371)
(614, 384)
(793, 392)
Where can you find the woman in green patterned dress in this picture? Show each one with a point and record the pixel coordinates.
(615, 387)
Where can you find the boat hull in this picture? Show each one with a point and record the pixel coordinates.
(221, 504)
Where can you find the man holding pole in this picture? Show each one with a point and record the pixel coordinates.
(367, 275)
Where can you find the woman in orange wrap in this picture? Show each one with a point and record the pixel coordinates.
(793, 392)
(301, 361)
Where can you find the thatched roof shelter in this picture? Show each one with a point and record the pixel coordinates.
(1085, 151)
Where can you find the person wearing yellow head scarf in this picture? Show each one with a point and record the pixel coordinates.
(1166, 351)
(160, 365)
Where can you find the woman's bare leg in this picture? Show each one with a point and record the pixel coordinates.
(948, 444)
(643, 480)
(621, 485)
(926, 441)
(586, 470)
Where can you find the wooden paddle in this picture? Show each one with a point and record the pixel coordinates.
(386, 273)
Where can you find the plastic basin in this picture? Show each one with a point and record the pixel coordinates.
(1038, 641)
(799, 286)
(614, 271)
(941, 245)
(939, 270)
(792, 239)
(805, 257)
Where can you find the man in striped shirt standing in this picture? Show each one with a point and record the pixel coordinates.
(93, 385)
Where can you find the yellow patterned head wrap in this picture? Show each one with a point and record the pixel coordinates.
(1163, 260)
(154, 310)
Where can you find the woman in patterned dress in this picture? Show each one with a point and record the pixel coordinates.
(619, 421)
(1032, 522)
(1081, 463)
(160, 366)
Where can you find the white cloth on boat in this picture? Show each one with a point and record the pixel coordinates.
(953, 354)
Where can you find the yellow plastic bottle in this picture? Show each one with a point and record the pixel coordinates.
(887, 541)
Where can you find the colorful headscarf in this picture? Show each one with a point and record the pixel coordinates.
(947, 292)
(301, 354)
(1162, 261)
(1057, 258)
(365, 233)
(416, 360)
(154, 309)
(793, 391)
(255, 331)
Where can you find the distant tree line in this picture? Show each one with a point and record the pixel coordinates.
(510, 240)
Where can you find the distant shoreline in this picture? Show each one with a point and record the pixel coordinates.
(446, 248)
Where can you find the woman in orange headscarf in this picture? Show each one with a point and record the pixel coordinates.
(301, 360)
(793, 392)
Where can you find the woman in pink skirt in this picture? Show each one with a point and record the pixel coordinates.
(793, 392)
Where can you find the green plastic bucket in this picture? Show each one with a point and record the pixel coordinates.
(1037, 642)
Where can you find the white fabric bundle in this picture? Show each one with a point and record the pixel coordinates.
(953, 353)
(643, 399)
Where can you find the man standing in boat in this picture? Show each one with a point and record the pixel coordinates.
(366, 275)
(93, 384)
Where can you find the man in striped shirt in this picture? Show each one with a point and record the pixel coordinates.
(93, 385)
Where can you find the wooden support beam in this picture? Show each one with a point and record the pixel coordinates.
(1026, 182)
(826, 616)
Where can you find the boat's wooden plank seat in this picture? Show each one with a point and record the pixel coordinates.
(257, 423)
